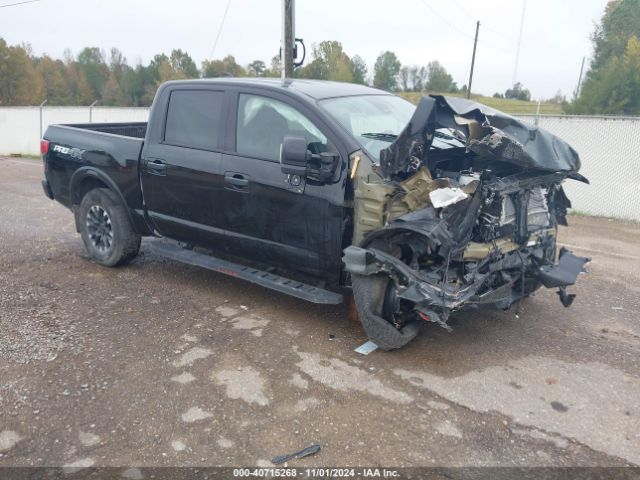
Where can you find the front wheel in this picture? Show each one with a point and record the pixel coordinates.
(371, 295)
(106, 230)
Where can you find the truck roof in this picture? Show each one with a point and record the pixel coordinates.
(316, 89)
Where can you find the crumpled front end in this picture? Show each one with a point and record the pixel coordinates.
(467, 226)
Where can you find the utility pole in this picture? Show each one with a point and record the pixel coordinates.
(473, 60)
(577, 92)
(288, 38)
(515, 68)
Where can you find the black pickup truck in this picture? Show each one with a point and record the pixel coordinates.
(312, 187)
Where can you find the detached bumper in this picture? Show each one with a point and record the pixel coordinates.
(413, 286)
(565, 272)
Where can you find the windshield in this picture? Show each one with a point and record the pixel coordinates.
(377, 120)
(374, 120)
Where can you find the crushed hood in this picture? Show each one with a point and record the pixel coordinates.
(488, 133)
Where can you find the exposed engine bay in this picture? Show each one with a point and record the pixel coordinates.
(460, 212)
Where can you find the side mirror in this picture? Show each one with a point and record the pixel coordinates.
(322, 166)
(294, 155)
(296, 159)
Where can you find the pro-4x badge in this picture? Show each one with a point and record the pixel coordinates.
(72, 152)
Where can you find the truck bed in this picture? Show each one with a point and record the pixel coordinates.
(110, 150)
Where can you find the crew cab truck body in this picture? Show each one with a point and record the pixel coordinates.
(278, 180)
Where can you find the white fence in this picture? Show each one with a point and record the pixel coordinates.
(20, 127)
(608, 146)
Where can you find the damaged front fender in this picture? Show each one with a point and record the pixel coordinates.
(468, 221)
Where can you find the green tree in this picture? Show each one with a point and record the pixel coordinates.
(137, 81)
(55, 81)
(181, 62)
(614, 88)
(329, 63)
(518, 92)
(233, 67)
(558, 98)
(116, 89)
(220, 68)
(620, 21)
(413, 78)
(80, 91)
(159, 71)
(257, 68)
(274, 70)
(117, 64)
(438, 79)
(418, 78)
(358, 70)
(404, 79)
(92, 64)
(386, 70)
(612, 83)
(19, 82)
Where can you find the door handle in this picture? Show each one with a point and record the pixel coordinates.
(236, 179)
(156, 166)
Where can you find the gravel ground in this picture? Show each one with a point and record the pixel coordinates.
(161, 364)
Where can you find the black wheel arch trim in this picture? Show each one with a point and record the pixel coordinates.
(90, 172)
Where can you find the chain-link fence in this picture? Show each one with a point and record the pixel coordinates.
(609, 148)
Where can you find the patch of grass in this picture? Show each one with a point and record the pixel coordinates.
(28, 156)
(507, 105)
(581, 213)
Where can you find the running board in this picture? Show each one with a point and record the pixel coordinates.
(259, 277)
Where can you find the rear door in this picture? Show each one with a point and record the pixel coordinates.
(181, 172)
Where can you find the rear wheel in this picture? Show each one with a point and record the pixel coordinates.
(106, 230)
(377, 307)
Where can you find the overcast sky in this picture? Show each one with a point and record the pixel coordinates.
(555, 35)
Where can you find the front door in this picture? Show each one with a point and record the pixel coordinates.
(269, 216)
(181, 175)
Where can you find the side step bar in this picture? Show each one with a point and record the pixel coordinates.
(259, 277)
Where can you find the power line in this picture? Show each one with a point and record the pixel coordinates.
(441, 17)
(474, 19)
(462, 32)
(224, 17)
(463, 10)
(18, 3)
(515, 68)
(497, 32)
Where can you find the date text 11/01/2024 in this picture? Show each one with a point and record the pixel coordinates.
(316, 472)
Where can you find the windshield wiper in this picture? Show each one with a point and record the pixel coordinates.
(449, 136)
(390, 137)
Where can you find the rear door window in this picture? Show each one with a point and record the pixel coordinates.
(263, 122)
(194, 119)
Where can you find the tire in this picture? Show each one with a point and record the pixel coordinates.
(369, 293)
(105, 229)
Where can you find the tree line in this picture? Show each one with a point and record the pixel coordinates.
(27, 79)
(93, 75)
(611, 83)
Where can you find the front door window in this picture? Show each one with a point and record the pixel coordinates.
(263, 122)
